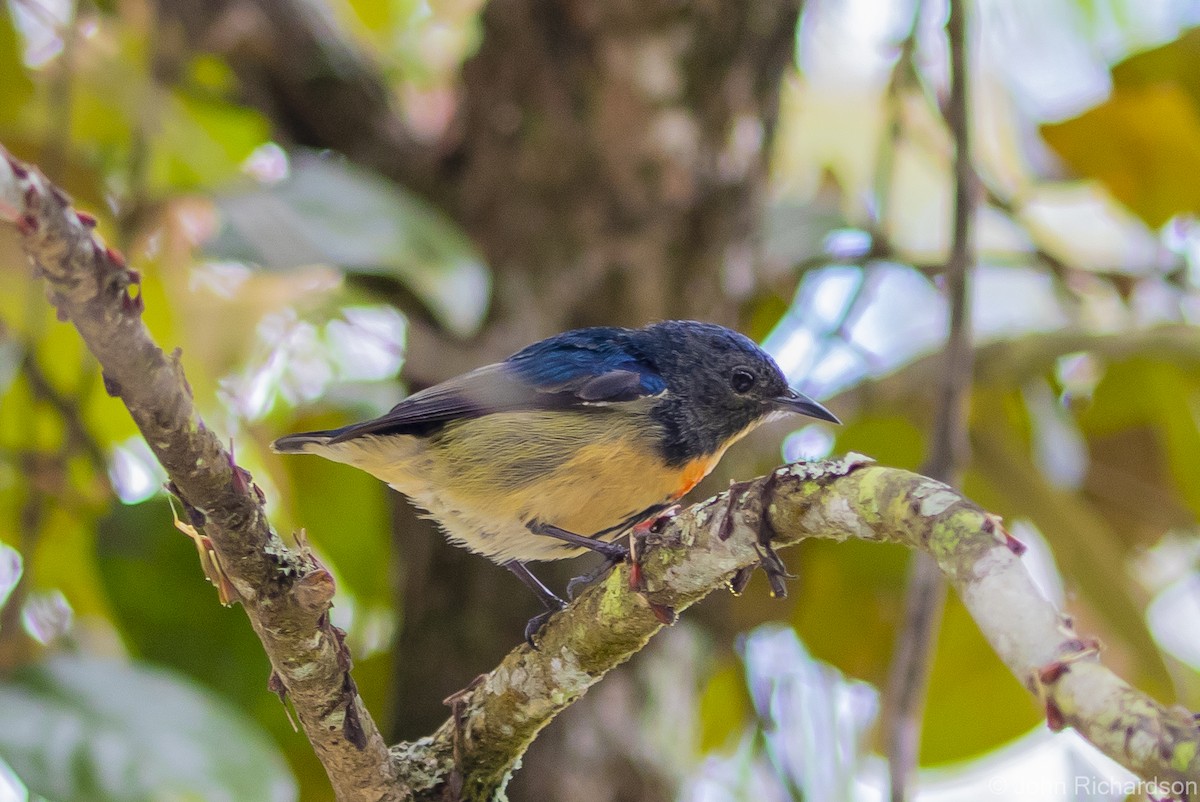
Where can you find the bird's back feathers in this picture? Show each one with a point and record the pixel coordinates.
(592, 367)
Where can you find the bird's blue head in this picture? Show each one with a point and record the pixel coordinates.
(704, 384)
(719, 384)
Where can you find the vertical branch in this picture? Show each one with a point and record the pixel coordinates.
(904, 75)
(909, 676)
(56, 153)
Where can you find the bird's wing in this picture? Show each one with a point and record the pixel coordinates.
(553, 374)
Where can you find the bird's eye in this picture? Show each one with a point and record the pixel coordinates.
(741, 380)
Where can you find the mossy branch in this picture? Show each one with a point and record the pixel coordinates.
(496, 718)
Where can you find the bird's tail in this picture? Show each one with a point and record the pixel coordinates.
(302, 443)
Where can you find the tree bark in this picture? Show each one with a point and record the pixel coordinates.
(613, 155)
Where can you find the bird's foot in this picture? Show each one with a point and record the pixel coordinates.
(774, 568)
(535, 624)
(652, 525)
(756, 499)
(637, 533)
(551, 602)
(583, 580)
(665, 614)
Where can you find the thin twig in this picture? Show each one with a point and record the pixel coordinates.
(67, 408)
(904, 74)
(908, 679)
(1012, 207)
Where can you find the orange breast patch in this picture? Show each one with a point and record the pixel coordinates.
(693, 472)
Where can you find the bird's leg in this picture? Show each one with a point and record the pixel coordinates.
(613, 551)
(663, 612)
(546, 596)
(640, 529)
(613, 554)
(772, 566)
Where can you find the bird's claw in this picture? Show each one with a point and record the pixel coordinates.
(583, 580)
(737, 583)
(535, 624)
(774, 568)
(652, 525)
(768, 559)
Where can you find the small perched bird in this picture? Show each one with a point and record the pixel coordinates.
(569, 442)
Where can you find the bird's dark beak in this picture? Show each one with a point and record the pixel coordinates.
(793, 401)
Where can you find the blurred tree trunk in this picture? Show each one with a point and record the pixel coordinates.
(609, 161)
(612, 155)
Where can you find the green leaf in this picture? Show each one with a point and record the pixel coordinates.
(331, 212)
(890, 440)
(856, 582)
(139, 552)
(1155, 404)
(211, 74)
(384, 18)
(1176, 62)
(203, 142)
(85, 729)
(724, 708)
(968, 686)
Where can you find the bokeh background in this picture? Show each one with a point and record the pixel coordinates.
(333, 202)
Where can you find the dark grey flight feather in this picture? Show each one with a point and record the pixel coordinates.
(488, 390)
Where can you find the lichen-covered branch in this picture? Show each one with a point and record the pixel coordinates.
(705, 548)
(286, 593)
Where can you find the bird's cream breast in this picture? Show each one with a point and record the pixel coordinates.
(600, 487)
(581, 471)
(486, 479)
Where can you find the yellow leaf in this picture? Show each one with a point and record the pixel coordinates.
(1143, 144)
(724, 708)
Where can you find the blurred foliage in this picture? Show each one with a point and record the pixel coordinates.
(289, 277)
(1143, 143)
(125, 732)
(330, 212)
